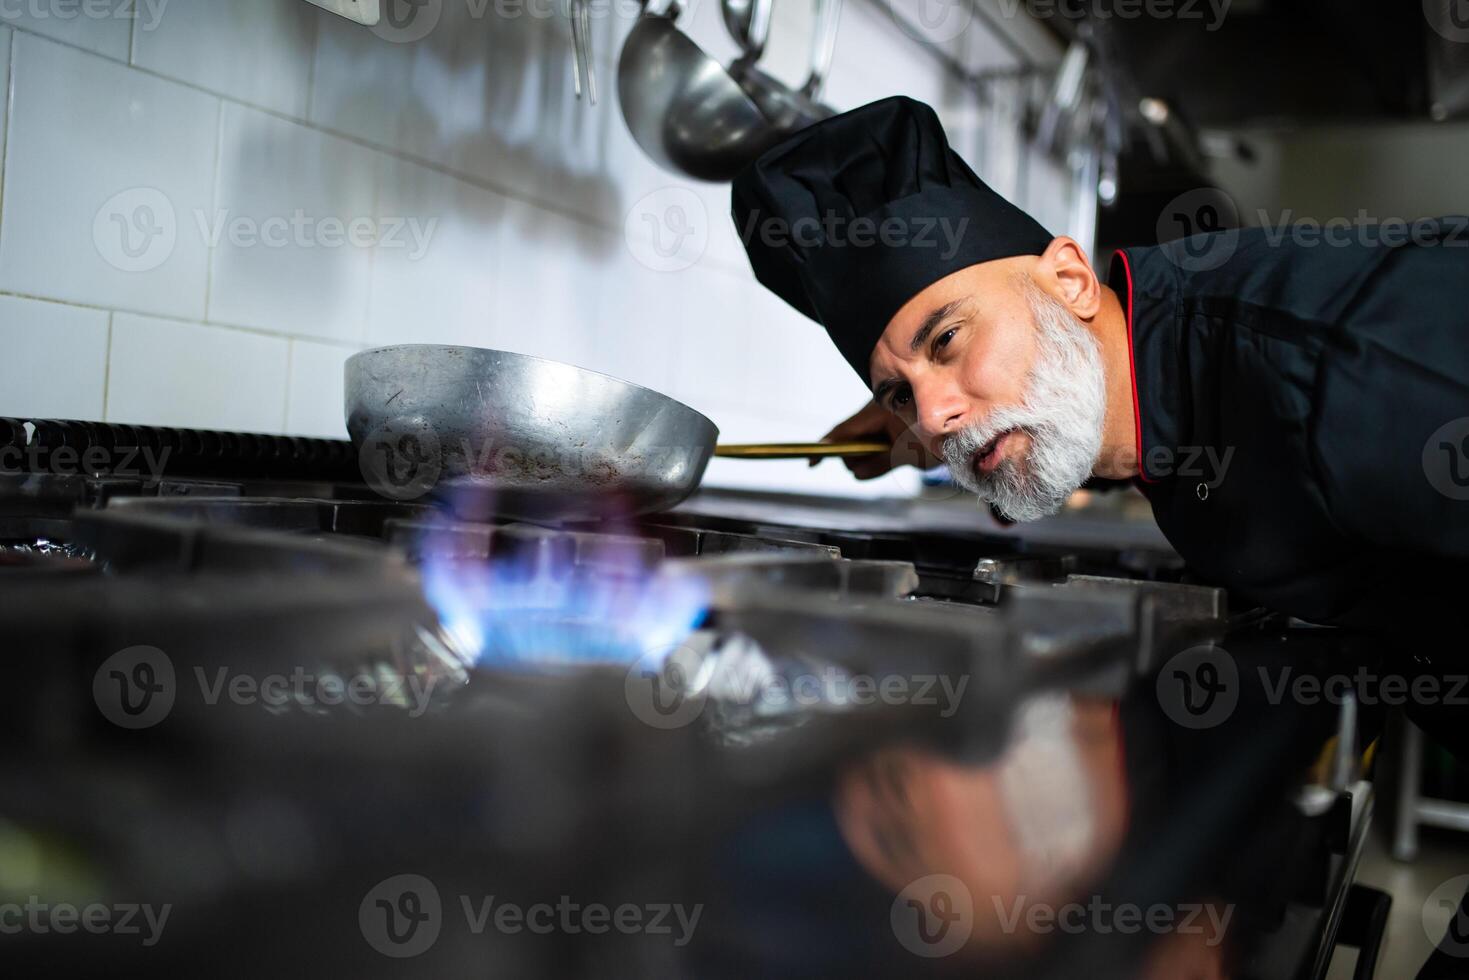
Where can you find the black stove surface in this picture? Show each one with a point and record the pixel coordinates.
(319, 725)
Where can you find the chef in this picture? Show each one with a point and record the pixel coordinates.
(1295, 410)
(1297, 415)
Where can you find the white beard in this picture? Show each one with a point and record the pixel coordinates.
(1062, 410)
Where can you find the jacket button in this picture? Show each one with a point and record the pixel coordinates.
(1202, 490)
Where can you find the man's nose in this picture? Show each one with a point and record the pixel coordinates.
(941, 411)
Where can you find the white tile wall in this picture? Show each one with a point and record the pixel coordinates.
(532, 210)
(55, 363)
(441, 284)
(275, 173)
(721, 360)
(315, 399)
(168, 372)
(359, 83)
(104, 169)
(266, 60)
(548, 287)
(642, 321)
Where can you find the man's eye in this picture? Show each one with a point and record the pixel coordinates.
(944, 338)
(901, 397)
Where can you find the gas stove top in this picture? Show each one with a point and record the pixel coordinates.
(250, 686)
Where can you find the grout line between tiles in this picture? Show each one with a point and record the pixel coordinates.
(290, 366)
(214, 204)
(353, 345)
(9, 115)
(311, 64)
(107, 370)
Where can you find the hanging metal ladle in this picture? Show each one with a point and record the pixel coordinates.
(682, 107)
(692, 115)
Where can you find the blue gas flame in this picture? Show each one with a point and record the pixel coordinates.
(534, 611)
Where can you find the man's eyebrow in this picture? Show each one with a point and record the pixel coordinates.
(931, 322)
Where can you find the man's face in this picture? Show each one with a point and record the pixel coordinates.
(1001, 381)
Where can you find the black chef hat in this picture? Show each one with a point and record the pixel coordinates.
(849, 219)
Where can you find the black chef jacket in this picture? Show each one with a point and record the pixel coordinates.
(1330, 382)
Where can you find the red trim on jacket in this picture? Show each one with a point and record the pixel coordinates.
(1137, 415)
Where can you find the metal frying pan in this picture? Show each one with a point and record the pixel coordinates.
(539, 438)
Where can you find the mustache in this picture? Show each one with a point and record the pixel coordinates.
(1061, 410)
(960, 449)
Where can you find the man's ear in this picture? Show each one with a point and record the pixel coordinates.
(1066, 273)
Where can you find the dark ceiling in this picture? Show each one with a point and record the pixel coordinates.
(1272, 61)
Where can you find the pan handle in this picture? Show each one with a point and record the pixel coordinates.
(799, 450)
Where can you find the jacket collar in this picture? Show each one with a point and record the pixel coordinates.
(1146, 282)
